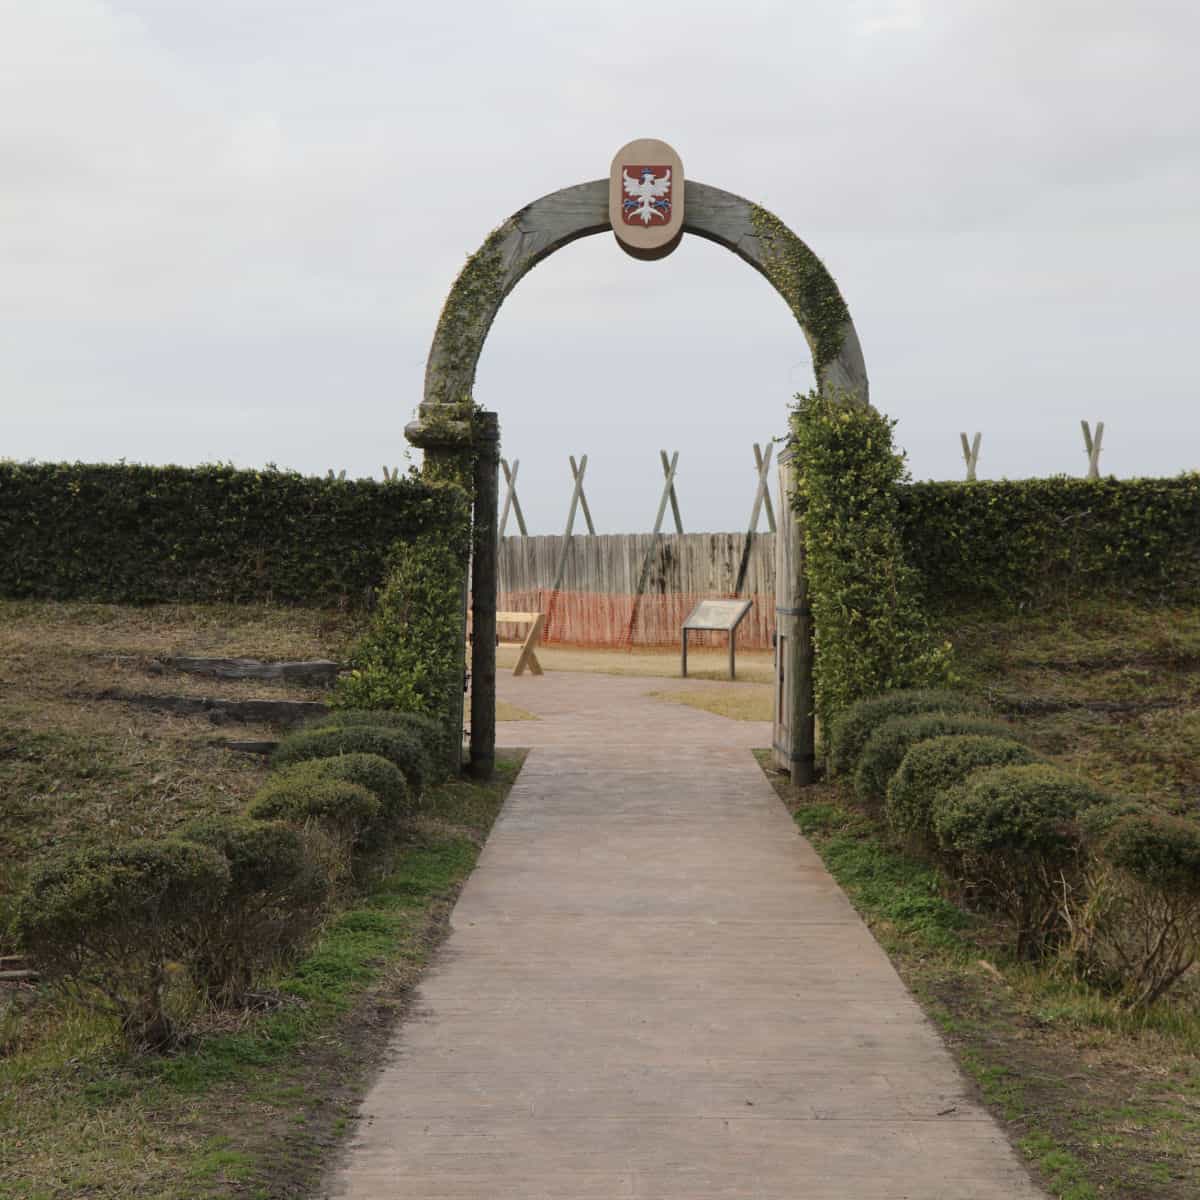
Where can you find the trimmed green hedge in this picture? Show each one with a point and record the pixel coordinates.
(127, 533)
(399, 746)
(933, 766)
(1028, 540)
(854, 725)
(105, 922)
(890, 742)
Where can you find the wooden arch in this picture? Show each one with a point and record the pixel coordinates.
(552, 222)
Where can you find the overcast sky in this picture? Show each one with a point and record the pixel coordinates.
(227, 228)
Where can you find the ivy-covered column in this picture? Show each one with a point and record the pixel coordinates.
(446, 434)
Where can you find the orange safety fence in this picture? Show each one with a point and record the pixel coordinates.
(605, 619)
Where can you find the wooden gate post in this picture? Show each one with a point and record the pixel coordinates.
(484, 552)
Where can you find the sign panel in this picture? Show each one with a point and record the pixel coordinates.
(718, 614)
(645, 198)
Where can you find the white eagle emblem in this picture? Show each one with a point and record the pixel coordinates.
(648, 196)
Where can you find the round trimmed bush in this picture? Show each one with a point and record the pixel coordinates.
(104, 922)
(430, 729)
(1021, 808)
(849, 733)
(275, 898)
(939, 763)
(1139, 929)
(372, 771)
(264, 857)
(343, 807)
(400, 746)
(891, 741)
(1156, 849)
(1014, 834)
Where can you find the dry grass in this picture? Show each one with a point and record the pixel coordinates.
(74, 768)
(753, 666)
(510, 712)
(737, 701)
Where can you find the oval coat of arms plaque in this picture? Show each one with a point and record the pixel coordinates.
(645, 198)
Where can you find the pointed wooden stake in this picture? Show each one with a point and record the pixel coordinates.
(971, 454)
(1093, 447)
(510, 497)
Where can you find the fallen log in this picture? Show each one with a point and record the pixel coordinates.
(320, 670)
(276, 712)
(248, 747)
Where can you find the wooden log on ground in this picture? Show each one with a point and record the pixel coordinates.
(276, 712)
(248, 747)
(319, 671)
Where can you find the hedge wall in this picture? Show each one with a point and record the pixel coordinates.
(1037, 539)
(128, 533)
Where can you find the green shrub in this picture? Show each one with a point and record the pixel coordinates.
(872, 632)
(1023, 541)
(399, 746)
(853, 726)
(891, 740)
(342, 810)
(275, 899)
(932, 766)
(1014, 837)
(128, 533)
(411, 656)
(376, 774)
(432, 732)
(1137, 929)
(104, 922)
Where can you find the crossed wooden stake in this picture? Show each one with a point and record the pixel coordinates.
(510, 497)
(1093, 447)
(971, 454)
(762, 494)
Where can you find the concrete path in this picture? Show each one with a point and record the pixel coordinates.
(653, 989)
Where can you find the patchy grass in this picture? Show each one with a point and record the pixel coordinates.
(511, 712)
(1108, 687)
(753, 666)
(257, 1103)
(737, 701)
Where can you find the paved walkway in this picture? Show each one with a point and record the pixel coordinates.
(653, 989)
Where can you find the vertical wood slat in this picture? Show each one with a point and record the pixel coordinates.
(595, 599)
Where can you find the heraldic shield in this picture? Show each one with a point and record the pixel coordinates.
(645, 198)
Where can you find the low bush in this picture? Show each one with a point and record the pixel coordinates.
(103, 924)
(379, 776)
(890, 741)
(275, 898)
(850, 731)
(932, 766)
(1013, 835)
(433, 733)
(1137, 930)
(342, 810)
(399, 746)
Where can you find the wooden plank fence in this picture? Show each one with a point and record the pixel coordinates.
(594, 603)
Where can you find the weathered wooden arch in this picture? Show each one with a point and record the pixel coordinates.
(445, 428)
(554, 221)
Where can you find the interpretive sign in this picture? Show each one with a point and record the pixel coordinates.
(718, 616)
(645, 198)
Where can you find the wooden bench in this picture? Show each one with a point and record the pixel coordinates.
(536, 623)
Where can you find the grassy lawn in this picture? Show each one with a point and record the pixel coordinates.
(753, 666)
(1102, 1103)
(737, 701)
(255, 1103)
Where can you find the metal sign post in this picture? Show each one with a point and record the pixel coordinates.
(718, 616)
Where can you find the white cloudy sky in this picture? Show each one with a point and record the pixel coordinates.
(227, 226)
